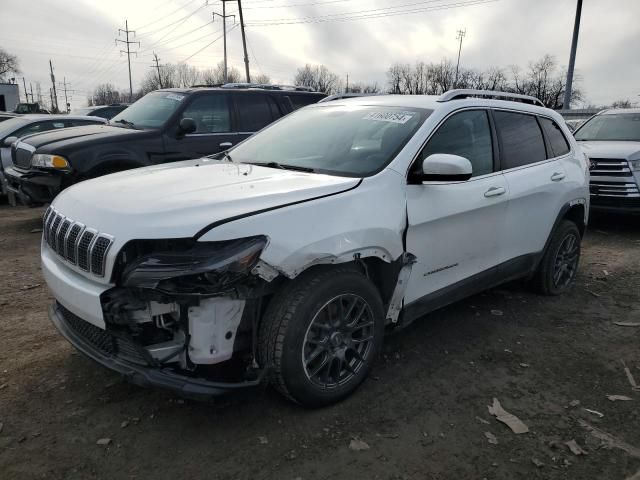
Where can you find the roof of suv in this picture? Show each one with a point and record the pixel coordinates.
(434, 102)
(283, 91)
(613, 111)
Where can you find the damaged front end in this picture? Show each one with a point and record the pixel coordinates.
(188, 308)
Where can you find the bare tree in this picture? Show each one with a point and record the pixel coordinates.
(105, 94)
(215, 75)
(317, 77)
(622, 104)
(186, 75)
(361, 87)
(261, 78)
(9, 64)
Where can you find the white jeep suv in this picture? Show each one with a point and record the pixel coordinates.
(286, 258)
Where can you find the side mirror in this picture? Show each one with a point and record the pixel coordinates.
(186, 126)
(9, 141)
(442, 167)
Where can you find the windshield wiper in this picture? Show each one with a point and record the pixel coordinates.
(126, 123)
(284, 166)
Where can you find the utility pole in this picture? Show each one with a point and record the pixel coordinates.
(572, 58)
(224, 17)
(66, 100)
(244, 43)
(346, 90)
(31, 85)
(54, 95)
(26, 94)
(128, 52)
(157, 67)
(460, 36)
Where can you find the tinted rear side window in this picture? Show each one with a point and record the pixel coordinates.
(299, 101)
(557, 140)
(521, 139)
(255, 112)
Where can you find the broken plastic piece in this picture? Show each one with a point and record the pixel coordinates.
(513, 422)
(616, 398)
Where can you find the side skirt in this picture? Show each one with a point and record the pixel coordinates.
(513, 269)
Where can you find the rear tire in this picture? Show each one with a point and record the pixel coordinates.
(321, 334)
(558, 268)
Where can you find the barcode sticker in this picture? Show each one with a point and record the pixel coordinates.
(393, 117)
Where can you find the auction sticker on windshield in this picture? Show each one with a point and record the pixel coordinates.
(393, 117)
(173, 96)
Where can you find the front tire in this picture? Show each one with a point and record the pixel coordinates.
(558, 268)
(321, 335)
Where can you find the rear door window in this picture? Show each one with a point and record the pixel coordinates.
(210, 112)
(556, 138)
(468, 135)
(255, 111)
(521, 140)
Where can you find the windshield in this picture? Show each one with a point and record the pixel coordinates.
(8, 127)
(341, 140)
(151, 111)
(617, 126)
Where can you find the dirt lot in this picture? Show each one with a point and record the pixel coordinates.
(423, 414)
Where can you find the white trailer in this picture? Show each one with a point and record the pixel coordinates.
(9, 97)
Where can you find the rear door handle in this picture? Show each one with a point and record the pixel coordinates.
(225, 145)
(557, 176)
(495, 191)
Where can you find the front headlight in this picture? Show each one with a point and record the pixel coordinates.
(42, 160)
(211, 264)
(634, 165)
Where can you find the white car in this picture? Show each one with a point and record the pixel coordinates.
(611, 140)
(285, 258)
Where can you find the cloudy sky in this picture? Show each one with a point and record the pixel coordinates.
(361, 38)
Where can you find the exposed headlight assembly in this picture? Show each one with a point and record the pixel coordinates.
(42, 160)
(211, 264)
(634, 165)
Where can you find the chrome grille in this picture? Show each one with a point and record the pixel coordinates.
(614, 189)
(21, 158)
(610, 167)
(75, 243)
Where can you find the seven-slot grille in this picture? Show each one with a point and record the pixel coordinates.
(610, 167)
(21, 157)
(76, 243)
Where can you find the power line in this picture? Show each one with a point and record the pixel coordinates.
(127, 42)
(169, 40)
(208, 45)
(360, 15)
(177, 23)
(167, 15)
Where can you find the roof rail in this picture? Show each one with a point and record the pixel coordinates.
(262, 86)
(462, 93)
(340, 96)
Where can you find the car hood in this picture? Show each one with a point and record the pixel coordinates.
(68, 137)
(611, 149)
(179, 200)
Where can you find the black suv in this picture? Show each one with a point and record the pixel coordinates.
(102, 111)
(163, 126)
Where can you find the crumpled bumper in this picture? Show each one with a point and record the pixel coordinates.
(97, 349)
(32, 187)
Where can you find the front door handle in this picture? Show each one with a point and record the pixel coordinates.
(225, 145)
(557, 176)
(495, 191)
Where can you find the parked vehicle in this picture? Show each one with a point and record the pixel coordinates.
(6, 116)
(611, 139)
(23, 125)
(290, 254)
(164, 126)
(26, 108)
(103, 111)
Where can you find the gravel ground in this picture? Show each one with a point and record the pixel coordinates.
(422, 415)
